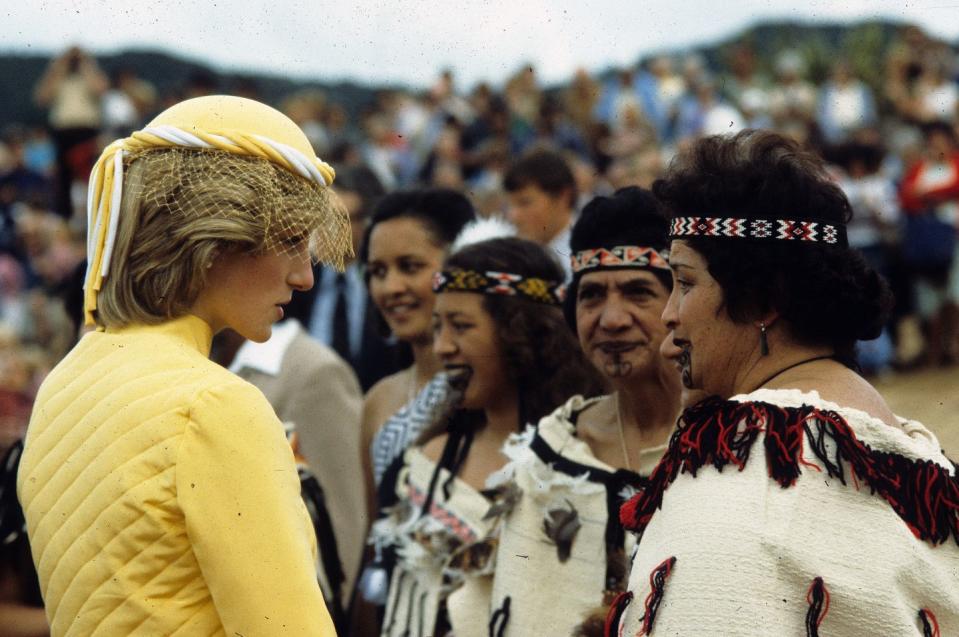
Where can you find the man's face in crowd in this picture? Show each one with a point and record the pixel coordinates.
(538, 215)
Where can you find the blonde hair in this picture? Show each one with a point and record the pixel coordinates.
(181, 208)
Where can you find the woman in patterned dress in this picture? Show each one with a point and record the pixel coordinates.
(408, 236)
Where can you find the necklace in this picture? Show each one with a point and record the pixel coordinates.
(788, 367)
(622, 435)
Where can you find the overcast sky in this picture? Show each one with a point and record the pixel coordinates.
(407, 41)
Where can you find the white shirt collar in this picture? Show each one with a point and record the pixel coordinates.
(266, 357)
(560, 247)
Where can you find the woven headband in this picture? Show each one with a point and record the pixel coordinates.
(778, 229)
(500, 283)
(618, 257)
(106, 183)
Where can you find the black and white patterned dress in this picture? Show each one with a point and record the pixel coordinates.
(403, 427)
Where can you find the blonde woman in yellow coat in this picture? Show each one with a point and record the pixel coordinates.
(160, 494)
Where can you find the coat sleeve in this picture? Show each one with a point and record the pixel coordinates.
(239, 490)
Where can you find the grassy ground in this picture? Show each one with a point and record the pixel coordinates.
(932, 398)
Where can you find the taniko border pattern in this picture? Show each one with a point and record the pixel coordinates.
(780, 229)
(619, 257)
(500, 283)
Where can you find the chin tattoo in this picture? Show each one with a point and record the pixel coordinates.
(686, 363)
(616, 367)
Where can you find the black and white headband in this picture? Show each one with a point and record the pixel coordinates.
(774, 229)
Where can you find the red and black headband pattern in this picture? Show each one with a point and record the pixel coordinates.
(618, 257)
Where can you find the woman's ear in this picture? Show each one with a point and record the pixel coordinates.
(211, 258)
(768, 319)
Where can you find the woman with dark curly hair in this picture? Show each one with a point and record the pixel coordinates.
(499, 332)
(832, 512)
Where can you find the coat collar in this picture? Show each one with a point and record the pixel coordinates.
(189, 330)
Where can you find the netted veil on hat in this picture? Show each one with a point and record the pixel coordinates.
(261, 163)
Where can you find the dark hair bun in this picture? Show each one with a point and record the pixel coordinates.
(442, 211)
(844, 300)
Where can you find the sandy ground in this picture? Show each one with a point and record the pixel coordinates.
(932, 398)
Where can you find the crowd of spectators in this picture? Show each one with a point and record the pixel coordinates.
(892, 146)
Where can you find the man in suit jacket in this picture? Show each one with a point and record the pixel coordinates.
(311, 387)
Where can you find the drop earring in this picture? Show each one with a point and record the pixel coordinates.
(763, 341)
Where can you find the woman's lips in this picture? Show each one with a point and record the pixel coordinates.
(672, 348)
(458, 376)
(400, 308)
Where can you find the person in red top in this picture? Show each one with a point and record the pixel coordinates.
(929, 195)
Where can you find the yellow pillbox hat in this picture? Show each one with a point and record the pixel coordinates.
(225, 123)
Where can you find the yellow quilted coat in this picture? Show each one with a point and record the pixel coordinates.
(161, 496)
